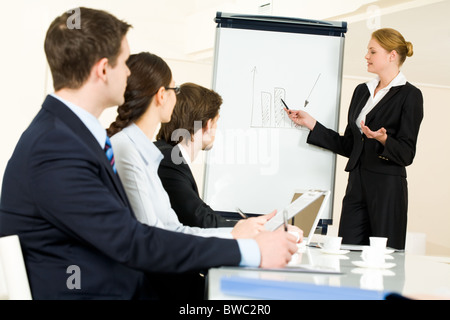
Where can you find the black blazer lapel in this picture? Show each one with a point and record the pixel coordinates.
(184, 167)
(361, 102)
(167, 150)
(392, 92)
(61, 111)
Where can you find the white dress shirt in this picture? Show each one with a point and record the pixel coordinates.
(399, 80)
(137, 161)
(88, 119)
(185, 154)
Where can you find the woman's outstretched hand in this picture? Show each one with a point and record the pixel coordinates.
(379, 135)
(302, 118)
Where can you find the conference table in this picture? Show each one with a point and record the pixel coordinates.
(316, 274)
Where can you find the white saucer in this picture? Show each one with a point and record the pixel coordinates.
(387, 257)
(389, 251)
(363, 264)
(334, 252)
(367, 271)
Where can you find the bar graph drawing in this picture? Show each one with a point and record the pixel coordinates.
(267, 108)
(280, 117)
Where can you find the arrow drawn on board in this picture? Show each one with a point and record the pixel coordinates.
(254, 71)
(307, 99)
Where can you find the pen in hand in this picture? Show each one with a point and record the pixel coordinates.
(241, 213)
(286, 105)
(285, 220)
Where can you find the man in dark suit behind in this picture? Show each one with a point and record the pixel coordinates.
(189, 131)
(61, 195)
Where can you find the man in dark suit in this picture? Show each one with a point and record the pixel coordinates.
(62, 196)
(180, 141)
(182, 189)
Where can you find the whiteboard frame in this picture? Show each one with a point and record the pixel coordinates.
(283, 21)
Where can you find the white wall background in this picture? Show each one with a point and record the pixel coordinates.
(182, 32)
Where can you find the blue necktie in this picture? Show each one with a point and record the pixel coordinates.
(110, 154)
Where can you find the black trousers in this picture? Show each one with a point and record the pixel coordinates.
(374, 205)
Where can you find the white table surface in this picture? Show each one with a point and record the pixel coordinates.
(414, 276)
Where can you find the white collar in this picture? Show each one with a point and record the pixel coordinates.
(399, 80)
(88, 119)
(185, 154)
(143, 144)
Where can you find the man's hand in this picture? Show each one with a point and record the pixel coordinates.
(249, 228)
(296, 231)
(276, 247)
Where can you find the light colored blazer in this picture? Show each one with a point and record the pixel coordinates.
(137, 161)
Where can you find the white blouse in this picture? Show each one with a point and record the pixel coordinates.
(137, 161)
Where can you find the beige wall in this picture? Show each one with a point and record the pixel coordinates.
(429, 175)
(25, 79)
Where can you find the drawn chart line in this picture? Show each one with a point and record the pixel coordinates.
(307, 99)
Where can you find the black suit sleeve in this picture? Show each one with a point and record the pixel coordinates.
(331, 140)
(400, 112)
(76, 195)
(184, 197)
(400, 147)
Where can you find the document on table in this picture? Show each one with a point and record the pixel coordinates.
(357, 247)
(293, 209)
(305, 268)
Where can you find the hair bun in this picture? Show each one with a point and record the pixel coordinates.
(409, 49)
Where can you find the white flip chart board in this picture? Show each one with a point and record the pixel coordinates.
(259, 156)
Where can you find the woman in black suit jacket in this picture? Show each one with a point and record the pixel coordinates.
(380, 141)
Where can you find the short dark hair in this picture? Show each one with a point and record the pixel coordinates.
(72, 51)
(194, 103)
(149, 72)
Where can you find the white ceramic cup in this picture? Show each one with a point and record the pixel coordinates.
(378, 242)
(332, 244)
(373, 256)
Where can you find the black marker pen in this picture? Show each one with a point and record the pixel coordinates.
(285, 104)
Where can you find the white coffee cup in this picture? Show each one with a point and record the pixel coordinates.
(332, 244)
(378, 242)
(373, 256)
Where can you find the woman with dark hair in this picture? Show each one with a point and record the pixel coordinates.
(150, 98)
